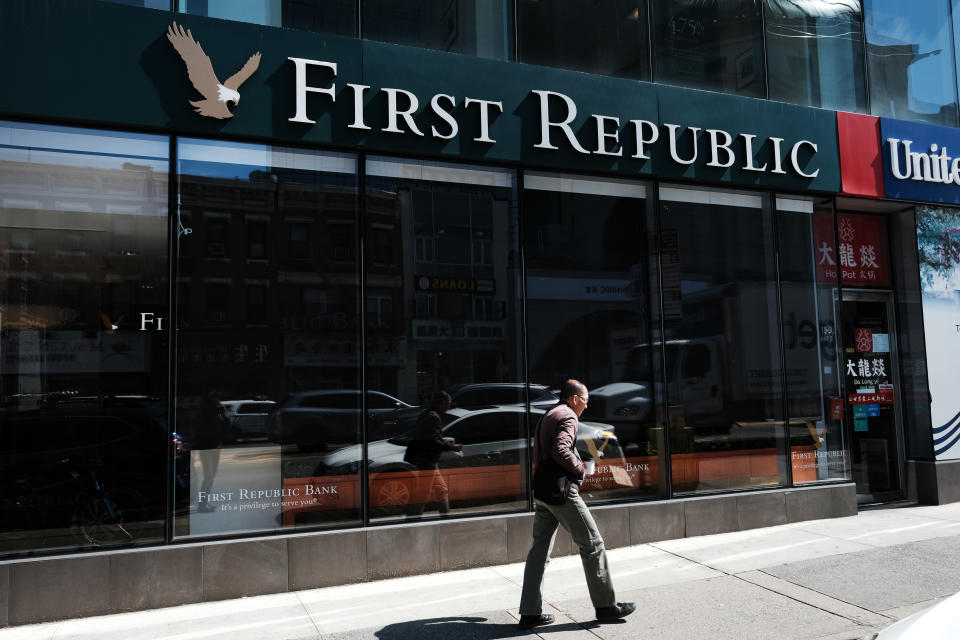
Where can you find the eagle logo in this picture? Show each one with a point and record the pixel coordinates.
(201, 74)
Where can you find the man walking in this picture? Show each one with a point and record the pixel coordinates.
(557, 437)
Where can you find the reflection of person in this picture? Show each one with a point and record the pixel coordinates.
(209, 435)
(424, 450)
(557, 437)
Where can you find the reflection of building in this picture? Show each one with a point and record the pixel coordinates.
(387, 302)
(266, 285)
(712, 45)
(891, 67)
(449, 299)
(377, 246)
(84, 255)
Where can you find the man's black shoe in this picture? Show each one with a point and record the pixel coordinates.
(621, 610)
(535, 621)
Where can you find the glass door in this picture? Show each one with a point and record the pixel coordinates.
(872, 409)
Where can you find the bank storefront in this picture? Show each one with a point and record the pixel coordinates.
(219, 319)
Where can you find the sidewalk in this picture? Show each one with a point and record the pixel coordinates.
(839, 579)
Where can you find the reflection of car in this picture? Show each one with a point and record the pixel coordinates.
(501, 393)
(466, 396)
(321, 418)
(939, 622)
(248, 418)
(488, 467)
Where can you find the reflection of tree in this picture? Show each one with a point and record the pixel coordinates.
(938, 239)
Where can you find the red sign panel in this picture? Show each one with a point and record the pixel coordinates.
(863, 339)
(884, 397)
(861, 255)
(836, 408)
(861, 166)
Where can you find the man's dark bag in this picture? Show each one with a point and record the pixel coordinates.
(551, 482)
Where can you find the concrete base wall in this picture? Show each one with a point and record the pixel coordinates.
(933, 482)
(40, 590)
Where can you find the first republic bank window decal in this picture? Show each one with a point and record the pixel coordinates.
(557, 115)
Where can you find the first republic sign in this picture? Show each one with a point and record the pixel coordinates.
(386, 97)
(219, 79)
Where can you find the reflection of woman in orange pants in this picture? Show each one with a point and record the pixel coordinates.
(431, 486)
(424, 450)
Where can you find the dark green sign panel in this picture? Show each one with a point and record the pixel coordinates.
(109, 65)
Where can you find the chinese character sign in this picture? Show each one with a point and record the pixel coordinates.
(859, 250)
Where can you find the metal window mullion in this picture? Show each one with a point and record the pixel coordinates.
(522, 241)
(666, 470)
(361, 219)
(787, 450)
(173, 237)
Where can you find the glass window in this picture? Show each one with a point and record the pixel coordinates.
(257, 239)
(475, 27)
(218, 302)
(150, 4)
(83, 350)
(811, 347)
(323, 16)
(342, 239)
(588, 306)
(383, 245)
(910, 61)
(721, 340)
(299, 239)
(269, 471)
(217, 231)
(815, 53)
(607, 38)
(427, 349)
(715, 45)
(256, 304)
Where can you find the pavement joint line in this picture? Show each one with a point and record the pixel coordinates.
(683, 557)
(884, 618)
(563, 614)
(560, 616)
(802, 527)
(309, 615)
(786, 595)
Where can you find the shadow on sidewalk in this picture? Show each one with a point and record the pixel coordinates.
(472, 627)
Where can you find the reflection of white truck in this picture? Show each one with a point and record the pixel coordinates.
(727, 367)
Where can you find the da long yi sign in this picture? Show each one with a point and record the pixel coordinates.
(214, 78)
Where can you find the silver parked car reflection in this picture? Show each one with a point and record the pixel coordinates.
(488, 468)
(248, 418)
(466, 396)
(325, 418)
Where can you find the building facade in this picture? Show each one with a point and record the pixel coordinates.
(736, 222)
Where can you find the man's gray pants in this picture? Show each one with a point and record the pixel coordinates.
(574, 516)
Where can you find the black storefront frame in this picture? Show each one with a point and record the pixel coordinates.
(174, 226)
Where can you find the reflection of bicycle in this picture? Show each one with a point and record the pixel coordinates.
(103, 517)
